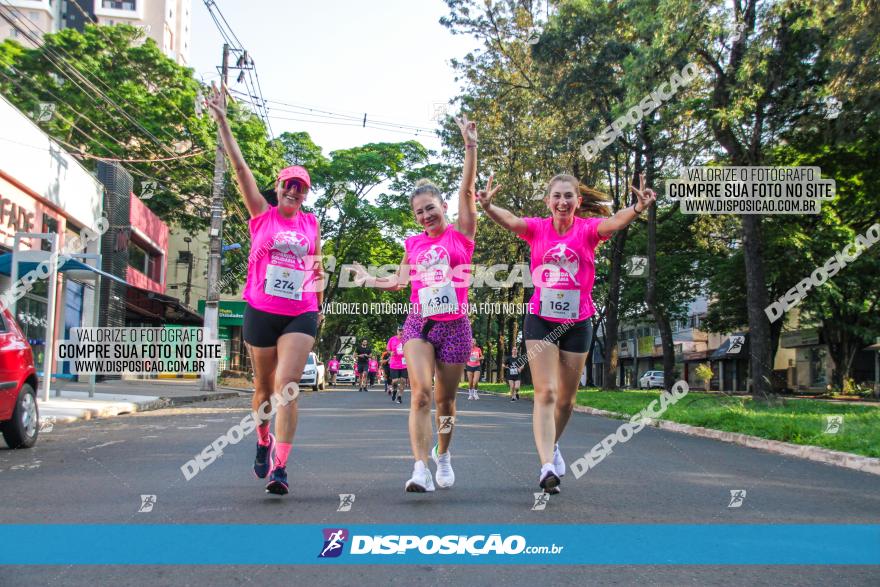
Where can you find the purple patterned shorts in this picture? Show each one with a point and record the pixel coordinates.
(451, 339)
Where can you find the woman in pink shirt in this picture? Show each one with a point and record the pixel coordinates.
(373, 369)
(563, 269)
(472, 368)
(333, 367)
(283, 293)
(437, 333)
(397, 365)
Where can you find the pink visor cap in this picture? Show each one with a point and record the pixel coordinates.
(297, 172)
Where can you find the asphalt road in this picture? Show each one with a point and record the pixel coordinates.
(349, 442)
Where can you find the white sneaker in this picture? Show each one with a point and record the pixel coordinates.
(470, 394)
(476, 395)
(445, 474)
(549, 479)
(421, 480)
(558, 462)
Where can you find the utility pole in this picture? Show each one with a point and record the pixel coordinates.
(212, 297)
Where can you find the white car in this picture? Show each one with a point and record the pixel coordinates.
(345, 373)
(313, 373)
(651, 379)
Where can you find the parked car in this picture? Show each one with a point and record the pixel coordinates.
(313, 373)
(19, 413)
(346, 373)
(651, 379)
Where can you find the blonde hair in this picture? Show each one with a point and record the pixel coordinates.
(424, 186)
(594, 202)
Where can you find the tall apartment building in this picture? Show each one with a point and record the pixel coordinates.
(167, 22)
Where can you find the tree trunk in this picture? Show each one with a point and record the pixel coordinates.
(760, 361)
(660, 317)
(611, 311)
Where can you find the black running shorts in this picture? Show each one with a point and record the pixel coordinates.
(263, 329)
(573, 337)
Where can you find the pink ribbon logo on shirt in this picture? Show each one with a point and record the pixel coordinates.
(566, 260)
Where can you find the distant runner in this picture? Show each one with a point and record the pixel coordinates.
(472, 369)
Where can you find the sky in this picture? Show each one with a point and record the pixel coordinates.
(386, 58)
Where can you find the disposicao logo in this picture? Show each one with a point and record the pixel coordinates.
(334, 540)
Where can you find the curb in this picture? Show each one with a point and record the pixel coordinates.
(191, 399)
(112, 411)
(817, 454)
(237, 390)
(92, 413)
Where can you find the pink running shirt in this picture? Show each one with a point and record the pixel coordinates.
(568, 261)
(475, 357)
(440, 260)
(373, 366)
(280, 279)
(395, 347)
(333, 365)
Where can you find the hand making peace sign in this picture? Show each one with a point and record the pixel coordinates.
(645, 195)
(485, 196)
(468, 129)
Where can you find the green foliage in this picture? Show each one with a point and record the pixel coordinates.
(799, 421)
(360, 197)
(148, 113)
(704, 372)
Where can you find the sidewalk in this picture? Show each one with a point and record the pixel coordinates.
(113, 398)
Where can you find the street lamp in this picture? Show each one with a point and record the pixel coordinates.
(189, 271)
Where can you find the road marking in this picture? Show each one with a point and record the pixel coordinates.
(105, 444)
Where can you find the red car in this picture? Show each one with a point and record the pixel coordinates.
(19, 414)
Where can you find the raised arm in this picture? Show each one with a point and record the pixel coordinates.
(467, 207)
(646, 197)
(253, 199)
(505, 218)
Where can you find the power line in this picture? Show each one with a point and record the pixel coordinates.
(76, 150)
(246, 62)
(52, 57)
(49, 54)
(260, 90)
(103, 32)
(298, 108)
(327, 120)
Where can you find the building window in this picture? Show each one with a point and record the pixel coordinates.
(144, 261)
(49, 225)
(818, 360)
(119, 5)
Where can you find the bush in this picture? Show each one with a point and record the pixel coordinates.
(704, 373)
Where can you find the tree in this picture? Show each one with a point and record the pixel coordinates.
(117, 96)
(362, 204)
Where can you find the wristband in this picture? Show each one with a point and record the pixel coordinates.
(638, 212)
(470, 146)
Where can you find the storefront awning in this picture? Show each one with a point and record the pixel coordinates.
(695, 356)
(71, 265)
(735, 347)
(151, 306)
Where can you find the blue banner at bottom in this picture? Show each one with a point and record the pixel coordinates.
(656, 544)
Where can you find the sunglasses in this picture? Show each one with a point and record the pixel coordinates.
(293, 182)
